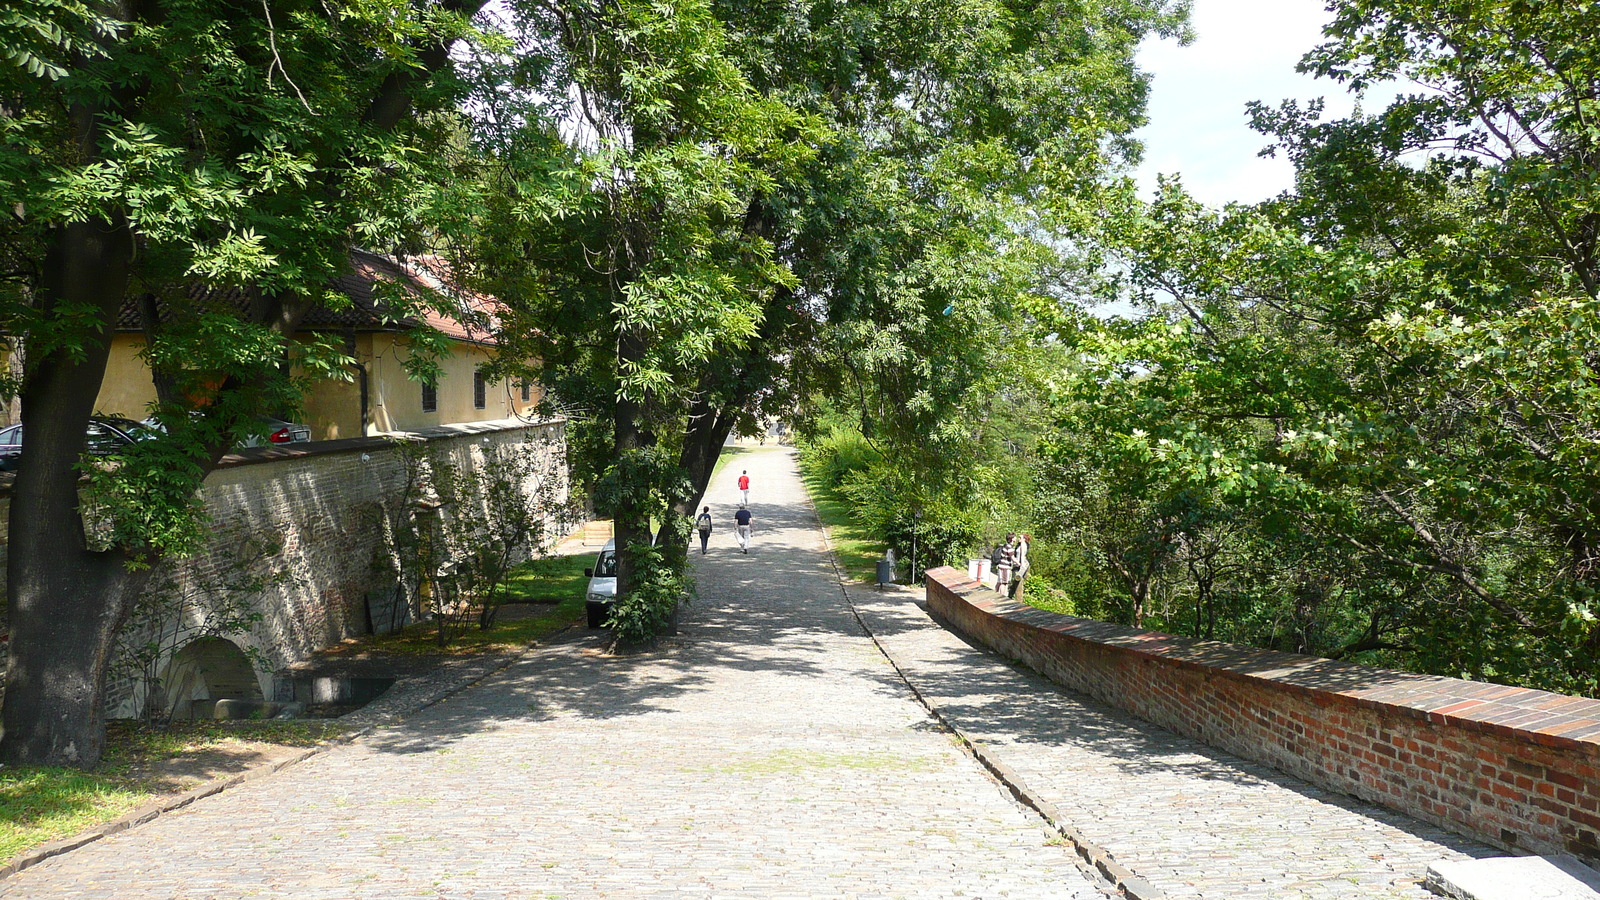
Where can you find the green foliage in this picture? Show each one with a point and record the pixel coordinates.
(646, 611)
(460, 528)
(935, 529)
(38, 35)
(234, 145)
(838, 457)
(1358, 420)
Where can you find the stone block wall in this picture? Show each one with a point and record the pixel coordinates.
(313, 525)
(1513, 767)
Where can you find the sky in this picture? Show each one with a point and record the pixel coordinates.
(1243, 50)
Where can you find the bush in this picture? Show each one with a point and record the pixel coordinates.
(839, 456)
(640, 615)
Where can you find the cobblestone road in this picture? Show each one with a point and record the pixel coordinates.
(1193, 821)
(770, 752)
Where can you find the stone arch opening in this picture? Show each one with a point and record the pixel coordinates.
(205, 671)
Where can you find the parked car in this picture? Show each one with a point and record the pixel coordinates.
(277, 431)
(602, 585)
(106, 435)
(269, 431)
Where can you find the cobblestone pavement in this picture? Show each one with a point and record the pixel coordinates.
(1193, 821)
(770, 751)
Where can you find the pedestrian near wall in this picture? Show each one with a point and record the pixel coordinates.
(702, 523)
(1020, 564)
(742, 529)
(1004, 560)
(744, 487)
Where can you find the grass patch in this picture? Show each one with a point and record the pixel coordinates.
(39, 804)
(858, 552)
(556, 584)
(726, 458)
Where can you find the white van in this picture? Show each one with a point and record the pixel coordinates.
(602, 585)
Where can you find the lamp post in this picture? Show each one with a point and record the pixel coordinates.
(916, 526)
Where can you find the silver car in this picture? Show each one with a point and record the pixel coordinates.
(602, 585)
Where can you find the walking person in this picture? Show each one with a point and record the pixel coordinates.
(742, 521)
(1003, 560)
(744, 487)
(1020, 565)
(702, 522)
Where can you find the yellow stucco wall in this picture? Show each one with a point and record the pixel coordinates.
(127, 389)
(332, 406)
(397, 400)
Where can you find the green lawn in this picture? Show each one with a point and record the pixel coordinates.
(40, 804)
(557, 583)
(858, 553)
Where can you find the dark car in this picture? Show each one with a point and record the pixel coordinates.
(106, 435)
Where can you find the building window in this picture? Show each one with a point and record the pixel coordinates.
(430, 397)
(480, 391)
(527, 391)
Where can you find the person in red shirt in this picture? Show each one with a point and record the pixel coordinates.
(744, 487)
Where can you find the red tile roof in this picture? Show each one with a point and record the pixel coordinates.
(425, 281)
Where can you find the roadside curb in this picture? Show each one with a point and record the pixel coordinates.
(467, 675)
(1091, 857)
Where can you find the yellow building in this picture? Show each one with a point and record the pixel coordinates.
(379, 396)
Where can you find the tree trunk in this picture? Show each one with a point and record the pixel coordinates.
(630, 519)
(66, 600)
(702, 445)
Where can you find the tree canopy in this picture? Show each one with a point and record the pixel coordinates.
(1356, 420)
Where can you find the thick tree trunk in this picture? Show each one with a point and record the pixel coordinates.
(702, 444)
(630, 520)
(66, 600)
(716, 409)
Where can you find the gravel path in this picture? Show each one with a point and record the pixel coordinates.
(769, 751)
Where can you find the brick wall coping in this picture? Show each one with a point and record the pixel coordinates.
(249, 456)
(1553, 720)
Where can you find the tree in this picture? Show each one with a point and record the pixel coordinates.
(148, 148)
(1393, 366)
(855, 203)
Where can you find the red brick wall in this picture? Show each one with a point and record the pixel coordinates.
(1517, 768)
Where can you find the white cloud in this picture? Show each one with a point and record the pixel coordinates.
(1244, 50)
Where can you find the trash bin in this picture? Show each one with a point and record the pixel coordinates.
(885, 572)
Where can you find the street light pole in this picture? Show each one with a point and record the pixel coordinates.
(916, 526)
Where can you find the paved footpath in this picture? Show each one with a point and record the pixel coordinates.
(769, 751)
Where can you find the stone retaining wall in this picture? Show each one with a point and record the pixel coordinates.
(327, 510)
(1514, 767)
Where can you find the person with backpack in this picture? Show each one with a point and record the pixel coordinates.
(702, 522)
